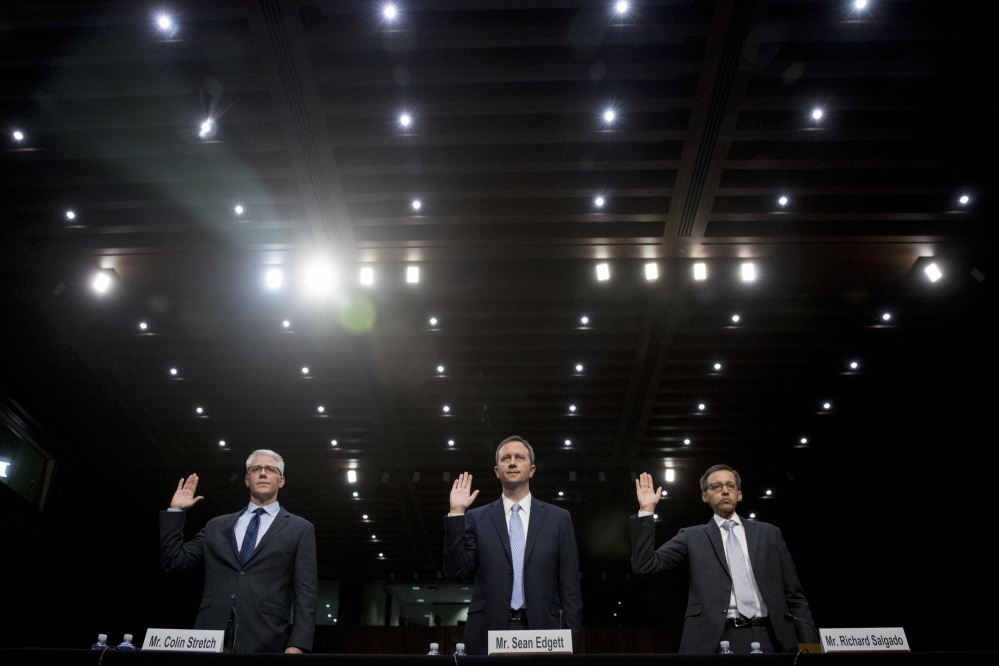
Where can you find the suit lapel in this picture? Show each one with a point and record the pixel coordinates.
(498, 518)
(279, 523)
(538, 512)
(715, 537)
(752, 540)
(230, 533)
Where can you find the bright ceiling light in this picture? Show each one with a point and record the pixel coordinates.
(817, 114)
(390, 11)
(351, 476)
(319, 278)
(670, 474)
(651, 271)
(143, 325)
(417, 204)
(748, 272)
(367, 275)
(321, 409)
(173, 372)
(166, 24)
(783, 201)
(599, 202)
(450, 442)
(70, 215)
(274, 278)
(827, 406)
(412, 274)
(286, 323)
(572, 408)
(432, 321)
(584, 320)
(207, 128)
(933, 272)
(568, 442)
(238, 209)
(221, 442)
(305, 370)
(101, 282)
(854, 365)
(579, 367)
(333, 442)
(736, 319)
(603, 272)
(405, 119)
(446, 409)
(440, 369)
(717, 367)
(700, 271)
(621, 7)
(964, 200)
(609, 115)
(860, 4)
(18, 135)
(701, 406)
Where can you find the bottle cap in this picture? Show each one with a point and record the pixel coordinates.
(101, 638)
(434, 646)
(128, 638)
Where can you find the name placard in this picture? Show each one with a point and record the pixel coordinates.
(183, 640)
(530, 641)
(867, 639)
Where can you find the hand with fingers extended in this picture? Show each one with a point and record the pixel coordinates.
(648, 494)
(184, 497)
(462, 495)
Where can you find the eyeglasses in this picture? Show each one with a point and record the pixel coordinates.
(256, 469)
(716, 487)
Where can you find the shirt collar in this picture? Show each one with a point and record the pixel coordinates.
(271, 509)
(719, 521)
(525, 504)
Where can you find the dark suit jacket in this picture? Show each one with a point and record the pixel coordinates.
(274, 594)
(700, 550)
(478, 545)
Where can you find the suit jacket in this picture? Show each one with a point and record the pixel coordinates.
(700, 550)
(477, 545)
(274, 594)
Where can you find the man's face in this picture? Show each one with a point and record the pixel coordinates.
(722, 500)
(514, 466)
(263, 479)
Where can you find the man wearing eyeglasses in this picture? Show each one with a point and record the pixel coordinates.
(743, 584)
(261, 581)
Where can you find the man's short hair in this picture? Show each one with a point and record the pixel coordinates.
(515, 438)
(720, 468)
(266, 452)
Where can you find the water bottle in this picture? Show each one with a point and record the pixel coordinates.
(433, 649)
(460, 650)
(724, 648)
(101, 644)
(754, 648)
(126, 643)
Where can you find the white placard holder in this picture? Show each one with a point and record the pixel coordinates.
(184, 640)
(864, 639)
(530, 641)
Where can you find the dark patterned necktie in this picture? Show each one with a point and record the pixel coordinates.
(250, 538)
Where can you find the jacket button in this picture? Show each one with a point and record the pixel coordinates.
(241, 573)
(232, 596)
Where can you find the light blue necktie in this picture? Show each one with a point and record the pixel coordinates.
(745, 600)
(250, 538)
(517, 542)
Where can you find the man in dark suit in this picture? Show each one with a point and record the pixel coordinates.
(520, 551)
(743, 584)
(261, 584)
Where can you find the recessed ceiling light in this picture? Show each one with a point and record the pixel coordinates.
(320, 409)
(18, 135)
(561, 494)
(826, 406)
(603, 272)
(670, 475)
(352, 478)
(568, 442)
(446, 409)
(736, 319)
(621, 7)
(783, 201)
(417, 204)
(686, 441)
(390, 11)
(769, 492)
(366, 275)
(207, 128)
(717, 366)
(933, 272)
(860, 4)
(199, 410)
(854, 365)
(440, 369)
(354, 495)
(450, 442)
(333, 442)
(286, 323)
(70, 215)
(886, 316)
(803, 440)
(651, 271)
(274, 278)
(701, 406)
(609, 116)
(412, 274)
(238, 209)
(221, 442)
(166, 24)
(173, 372)
(101, 282)
(579, 367)
(964, 200)
(584, 320)
(599, 202)
(143, 325)
(305, 370)
(572, 408)
(817, 114)
(700, 271)
(405, 119)
(748, 272)
(432, 321)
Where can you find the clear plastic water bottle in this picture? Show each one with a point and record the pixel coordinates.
(433, 649)
(460, 650)
(101, 644)
(724, 648)
(754, 648)
(126, 643)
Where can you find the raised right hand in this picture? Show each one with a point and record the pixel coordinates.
(648, 494)
(461, 495)
(184, 497)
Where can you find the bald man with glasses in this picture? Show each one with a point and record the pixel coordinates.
(261, 581)
(744, 587)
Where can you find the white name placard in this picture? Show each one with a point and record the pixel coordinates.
(866, 639)
(530, 641)
(183, 640)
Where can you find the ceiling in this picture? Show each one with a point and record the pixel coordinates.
(507, 150)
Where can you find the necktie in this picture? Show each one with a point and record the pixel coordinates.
(517, 543)
(250, 538)
(745, 600)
